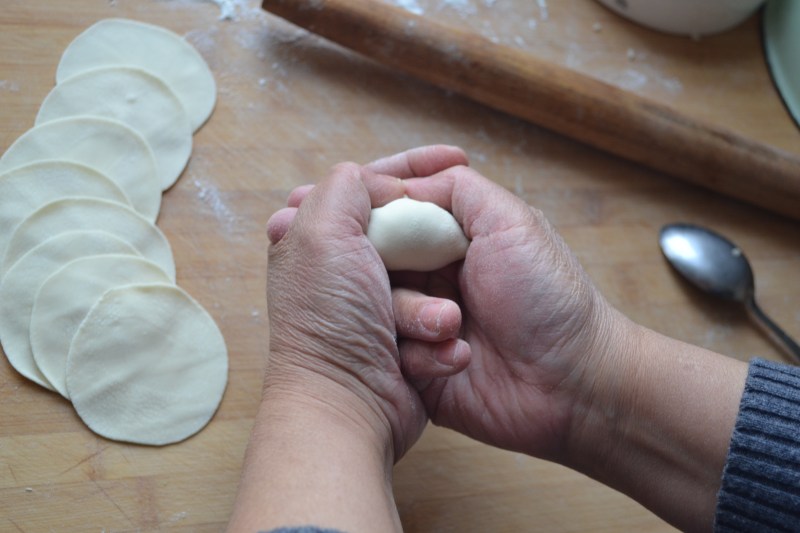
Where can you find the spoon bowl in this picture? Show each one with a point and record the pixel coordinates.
(709, 261)
(717, 266)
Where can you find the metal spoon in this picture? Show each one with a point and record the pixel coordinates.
(717, 266)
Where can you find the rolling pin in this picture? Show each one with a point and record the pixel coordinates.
(554, 97)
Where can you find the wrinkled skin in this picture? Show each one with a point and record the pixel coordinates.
(514, 346)
(518, 316)
(533, 321)
(333, 334)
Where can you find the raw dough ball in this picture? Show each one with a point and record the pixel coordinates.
(25, 189)
(136, 98)
(65, 298)
(20, 285)
(147, 365)
(121, 42)
(413, 235)
(107, 145)
(90, 214)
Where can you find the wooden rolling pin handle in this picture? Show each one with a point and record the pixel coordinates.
(556, 98)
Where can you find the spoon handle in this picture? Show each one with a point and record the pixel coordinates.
(775, 332)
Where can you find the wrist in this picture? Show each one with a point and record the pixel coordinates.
(657, 422)
(315, 462)
(307, 397)
(603, 398)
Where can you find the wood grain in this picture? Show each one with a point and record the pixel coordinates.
(290, 106)
(561, 99)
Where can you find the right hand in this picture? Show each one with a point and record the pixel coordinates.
(537, 328)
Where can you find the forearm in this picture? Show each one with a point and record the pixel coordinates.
(307, 465)
(660, 425)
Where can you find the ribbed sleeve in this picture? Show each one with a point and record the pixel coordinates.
(761, 480)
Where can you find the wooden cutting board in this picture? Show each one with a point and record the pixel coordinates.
(290, 106)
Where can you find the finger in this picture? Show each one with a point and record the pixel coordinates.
(481, 206)
(418, 162)
(382, 188)
(422, 362)
(298, 194)
(437, 188)
(425, 318)
(278, 224)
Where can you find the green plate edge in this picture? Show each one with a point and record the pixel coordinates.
(781, 24)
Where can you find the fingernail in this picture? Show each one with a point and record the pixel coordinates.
(453, 353)
(431, 317)
(445, 354)
(461, 353)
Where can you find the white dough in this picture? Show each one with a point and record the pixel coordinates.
(90, 214)
(106, 145)
(134, 97)
(122, 42)
(25, 189)
(413, 235)
(20, 285)
(148, 365)
(65, 298)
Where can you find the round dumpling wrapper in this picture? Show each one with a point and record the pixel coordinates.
(25, 189)
(123, 42)
(65, 298)
(134, 97)
(21, 284)
(106, 145)
(147, 365)
(72, 214)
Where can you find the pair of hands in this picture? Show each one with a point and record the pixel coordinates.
(503, 347)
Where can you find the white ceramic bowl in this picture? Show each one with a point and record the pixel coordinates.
(685, 17)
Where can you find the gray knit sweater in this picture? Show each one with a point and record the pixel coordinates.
(761, 481)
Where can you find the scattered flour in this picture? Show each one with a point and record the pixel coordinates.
(227, 9)
(235, 9)
(636, 79)
(463, 7)
(203, 39)
(631, 80)
(232, 10)
(410, 5)
(211, 197)
(544, 14)
(7, 85)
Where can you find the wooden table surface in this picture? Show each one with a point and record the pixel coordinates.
(290, 106)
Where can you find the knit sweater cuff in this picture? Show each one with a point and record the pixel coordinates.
(761, 481)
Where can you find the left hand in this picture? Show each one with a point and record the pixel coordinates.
(332, 326)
